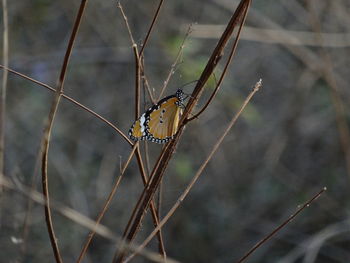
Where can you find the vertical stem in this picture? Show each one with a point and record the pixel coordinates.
(47, 133)
(162, 163)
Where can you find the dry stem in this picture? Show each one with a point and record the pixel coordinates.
(47, 133)
(200, 170)
(277, 229)
(168, 151)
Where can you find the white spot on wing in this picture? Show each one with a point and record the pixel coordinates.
(142, 123)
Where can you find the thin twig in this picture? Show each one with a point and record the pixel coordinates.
(5, 58)
(105, 206)
(277, 229)
(139, 56)
(126, 22)
(228, 62)
(154, 213)
(137, 82)
(146, 153)
(199, 172)
(79, 218)
(146, 85)
(159, 200)
(137, 62)
(47, 132)
(162, 163)
(172, 69)
(143, 45)
(137, 113)
(128, 235)
(71, 100)
(151, 27)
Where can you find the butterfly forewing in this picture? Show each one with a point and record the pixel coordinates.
(160, 122)
(163, 121)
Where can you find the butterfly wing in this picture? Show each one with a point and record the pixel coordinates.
(163, 120)
(138, 129)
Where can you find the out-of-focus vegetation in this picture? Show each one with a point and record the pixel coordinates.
(291, 141)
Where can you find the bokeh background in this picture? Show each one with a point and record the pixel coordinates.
(291, 141)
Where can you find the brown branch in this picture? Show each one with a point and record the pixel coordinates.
(127, 235)
(145, 181)
(71, 100)
(228, 62)
(151, 27)
(137, 62)
(47, 132)
(162, 163)
(153, 208)
(105, 206)
(199, 172)
(138, 55)
(119, 5)
(75, 102)
(78, 218)
(137, 114)
(277, 229)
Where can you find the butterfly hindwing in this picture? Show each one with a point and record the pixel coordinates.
(138, 129)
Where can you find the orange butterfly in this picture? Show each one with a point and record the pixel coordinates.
(160, 122)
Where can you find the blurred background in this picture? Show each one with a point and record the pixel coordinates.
(291, 141)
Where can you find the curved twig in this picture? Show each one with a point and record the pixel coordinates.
(105, 206)
(71, 100)
(218, 84)
(47, 132)
(79, 219)
(172, 69)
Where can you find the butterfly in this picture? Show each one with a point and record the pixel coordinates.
(159, 123)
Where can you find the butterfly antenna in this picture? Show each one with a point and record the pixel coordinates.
(186, 84)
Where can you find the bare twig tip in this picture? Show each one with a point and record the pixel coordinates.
(258, 85)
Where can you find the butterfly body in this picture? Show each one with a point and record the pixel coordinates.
(159, 123)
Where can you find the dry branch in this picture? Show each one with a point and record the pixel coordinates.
(200, 170)
(162, 163)
(78, 218)
(73, 101)
(277, 229)
(138, 70)
(47, 132)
